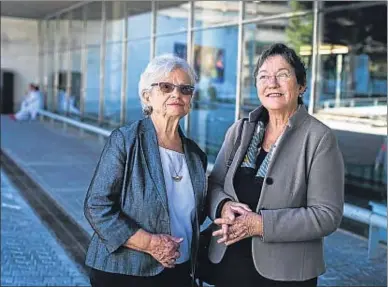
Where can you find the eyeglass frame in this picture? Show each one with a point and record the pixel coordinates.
(175, 86)
(268, 77)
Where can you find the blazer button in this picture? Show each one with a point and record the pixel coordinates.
(269, 180)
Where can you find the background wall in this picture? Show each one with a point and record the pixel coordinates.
(19, 53)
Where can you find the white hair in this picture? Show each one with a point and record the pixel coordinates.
(159, 68)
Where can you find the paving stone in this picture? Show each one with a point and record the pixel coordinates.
(30, 254)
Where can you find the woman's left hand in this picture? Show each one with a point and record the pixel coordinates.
(244, 226)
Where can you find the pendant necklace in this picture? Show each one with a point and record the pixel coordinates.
(176, 177)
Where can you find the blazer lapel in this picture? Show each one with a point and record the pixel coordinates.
(247, 133)
(150, 151)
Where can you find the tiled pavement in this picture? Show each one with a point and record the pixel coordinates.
(62, 162)
(30, 254)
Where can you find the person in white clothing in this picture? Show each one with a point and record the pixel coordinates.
(30, 105)
(66, 103)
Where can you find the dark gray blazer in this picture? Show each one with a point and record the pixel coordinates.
(301, 200)
(128, 192)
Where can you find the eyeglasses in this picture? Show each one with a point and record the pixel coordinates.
(280, 78)
(165, 87)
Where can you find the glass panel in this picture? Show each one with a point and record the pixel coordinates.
(294, 32)
(354, 62)
(63, 62)
(76, 80)
(215, 53)
(43, 58)
(175, 44)
(50, 65)
(114, 21)
(77, 25)
(41, 50)
(354, 91)
(262, 9)
(94, 16)
(77, 34)
(138, 58)
(93, 83)
(112, 85)
(207, 13)
(139, 19)
(171, 17)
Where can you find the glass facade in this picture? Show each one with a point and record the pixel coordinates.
(92, 57)
(215, 60)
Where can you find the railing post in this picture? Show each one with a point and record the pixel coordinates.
(373, 241)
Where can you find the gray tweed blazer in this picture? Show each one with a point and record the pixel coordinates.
(127, 192)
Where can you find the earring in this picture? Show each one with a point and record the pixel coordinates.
(147, 110)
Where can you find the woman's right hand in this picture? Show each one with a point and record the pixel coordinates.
(229, 212)
(165, 249)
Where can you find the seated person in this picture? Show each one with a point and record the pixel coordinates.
(66, 103)
(30, 105)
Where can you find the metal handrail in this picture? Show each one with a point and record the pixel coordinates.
(364, 215)
(352, 101)
(78, 124)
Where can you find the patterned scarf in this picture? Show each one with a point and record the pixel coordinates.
(254, 149)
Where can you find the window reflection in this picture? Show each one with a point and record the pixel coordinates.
(93, 83)
(171, 17)
(175, 44)
(114, 20)
(139, 19)
(356, 75)
(207, 13)
(261, 9)
(112, 84)
(94, 17)
(50, 58)
(138, 58)
(215, 54)
(258, 37)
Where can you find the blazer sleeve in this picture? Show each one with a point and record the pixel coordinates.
(216, 180)
(102, 203)
(325, 200)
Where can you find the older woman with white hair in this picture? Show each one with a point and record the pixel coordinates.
(146, 199)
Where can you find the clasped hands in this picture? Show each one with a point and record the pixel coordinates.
(165, 249)
(237, 222)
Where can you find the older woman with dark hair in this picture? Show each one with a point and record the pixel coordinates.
(146, 199)
(284, 190)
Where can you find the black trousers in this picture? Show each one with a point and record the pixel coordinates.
(174, 277)
(237, 269)
(260, 281)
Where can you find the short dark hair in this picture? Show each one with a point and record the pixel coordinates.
(289, 55)
(34, 86)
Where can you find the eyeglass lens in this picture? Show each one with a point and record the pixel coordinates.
(169, 87)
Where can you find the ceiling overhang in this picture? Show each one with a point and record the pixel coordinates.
(33, 9)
